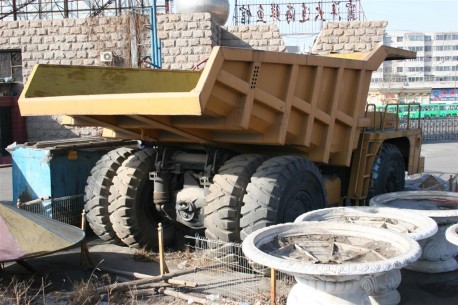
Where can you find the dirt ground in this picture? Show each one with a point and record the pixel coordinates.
(65, 278)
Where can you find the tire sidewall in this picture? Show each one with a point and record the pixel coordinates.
(300, 185)
(390, 163)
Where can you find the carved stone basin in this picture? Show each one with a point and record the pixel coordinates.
(451, 234)
(329, 260)
(438, 255)
(382, 289)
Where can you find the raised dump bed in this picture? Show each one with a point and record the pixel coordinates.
(304, 103)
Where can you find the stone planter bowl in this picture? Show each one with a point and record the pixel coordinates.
(382, 289)
(416, 226)
(451, 234)
(438, 255)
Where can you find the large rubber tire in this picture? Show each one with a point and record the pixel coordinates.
(388, 171)
(225, 197)
(133, 215)
(281, 189)
(97, 192)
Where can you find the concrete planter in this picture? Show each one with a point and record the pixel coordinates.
(382, 289)
(438, 255)
(329, 260)
(451, 234)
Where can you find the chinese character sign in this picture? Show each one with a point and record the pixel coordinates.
(300, 13)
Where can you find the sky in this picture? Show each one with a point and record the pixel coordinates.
(414, 15)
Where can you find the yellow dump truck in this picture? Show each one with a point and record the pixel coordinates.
(254, 139)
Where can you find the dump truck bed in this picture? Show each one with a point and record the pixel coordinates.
(245, 98)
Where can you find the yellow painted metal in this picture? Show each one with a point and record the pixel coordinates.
(310, 104)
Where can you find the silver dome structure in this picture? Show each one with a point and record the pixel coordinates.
(219, 9)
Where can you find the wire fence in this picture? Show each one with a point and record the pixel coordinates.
(65, 209)
(236, 279)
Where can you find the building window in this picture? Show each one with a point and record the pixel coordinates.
(415, 69)
(415, 38)
(445, 48)
(11, 65)
(399, 69)
(447, 37)
(400, 39)
(416, 48)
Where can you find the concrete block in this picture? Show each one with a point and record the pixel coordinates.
(360, 47)
(338, 32)
(57, 23)
(35, 24)
(181, 58)
(88, 46)
(186, 34)
(54, 46)
(70, 55)
(12, 24)
(187, 17)
(360, 32)
(206, 41)
(193, 42)
(338, 47)
(333, 39)
(355, 25)
(267, 35)
(171, 26)
(174, 51)
(254, 43)
(161, 35)
(193, 25)
(37, 39)
(42, 47)
(198, 33)
(89, 62)
(172, 18)
(370, 31)
(182, 43)
(18, 32)
(245, 36)
(37, 55)
(15, 41)
(58, 55)
(344, 39)
(81, 54)
(168, 43)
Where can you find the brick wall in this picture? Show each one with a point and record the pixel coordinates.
(260, 37)
(186, 40)
(346, 37)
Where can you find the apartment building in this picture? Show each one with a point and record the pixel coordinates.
(431, 77)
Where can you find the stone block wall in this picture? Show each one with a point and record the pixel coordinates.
(67, 41)
(259, 37)
(186, 40)
(346, 37)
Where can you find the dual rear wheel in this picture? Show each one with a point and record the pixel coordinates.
(118, 198)
(249, 194)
